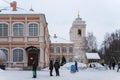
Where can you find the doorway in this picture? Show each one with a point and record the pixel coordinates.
(33, 54)
(32, 57)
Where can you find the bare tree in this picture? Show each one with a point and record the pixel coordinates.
(91, 42)
(111, 47)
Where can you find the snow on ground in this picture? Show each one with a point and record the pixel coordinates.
(65, 74)
(81, 66)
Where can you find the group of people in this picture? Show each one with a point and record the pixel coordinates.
(55, 65)
(112, 65)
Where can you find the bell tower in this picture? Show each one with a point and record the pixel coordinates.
(78, 36)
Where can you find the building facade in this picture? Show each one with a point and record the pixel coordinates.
(20, 29)
(24, 38)
(60, 47)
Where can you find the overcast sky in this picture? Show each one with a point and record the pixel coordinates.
(101, 16)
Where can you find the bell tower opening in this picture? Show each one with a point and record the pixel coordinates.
(79, 32)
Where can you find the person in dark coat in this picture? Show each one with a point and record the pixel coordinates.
(113, 65)
(51, 67)
(76, 66)
(118, 66)
(110, 65)
(34, 69)
(57, 66)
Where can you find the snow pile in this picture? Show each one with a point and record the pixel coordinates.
(96, 65)
(81, 66)
(1, 70)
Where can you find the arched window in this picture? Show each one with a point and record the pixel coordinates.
(3, 29)
(70, 50)
(51, 49)
(18, 29)
(6, 53)
(79, 32)
(58, 50)
(17, 55)
(33, 29)
(64, 49)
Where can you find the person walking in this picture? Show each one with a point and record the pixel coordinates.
(110, 65)
(118, 66)
(57, 66)
(76, 66)
(113, 65)
(51, 67)
(34, 69)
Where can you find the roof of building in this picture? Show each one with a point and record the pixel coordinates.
(14, 9)
(9, 10)
(78, 19)
(59, 40)
(92, 56)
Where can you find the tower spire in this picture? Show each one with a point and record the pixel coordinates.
(31, 9)
(78, 14)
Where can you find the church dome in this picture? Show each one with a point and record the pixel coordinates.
(2, 56)
(78, 19)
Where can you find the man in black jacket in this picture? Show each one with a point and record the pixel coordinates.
(51, 67)
(76, 66)
(57, 66)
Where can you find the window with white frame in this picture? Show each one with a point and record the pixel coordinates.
(6, 53)
(57, 49)
(70, 50)
(3, 29)
(51, 49)
(33, 29)
(64, 49)
(18, 29)
(17, 55)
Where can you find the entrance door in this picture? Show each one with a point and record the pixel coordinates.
(32, 57)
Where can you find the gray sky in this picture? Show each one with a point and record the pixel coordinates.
(101, 16)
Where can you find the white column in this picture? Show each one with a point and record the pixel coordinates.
(41, 62)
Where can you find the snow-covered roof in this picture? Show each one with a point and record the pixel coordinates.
(92, 56)
(59, 40)
(8, 10)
